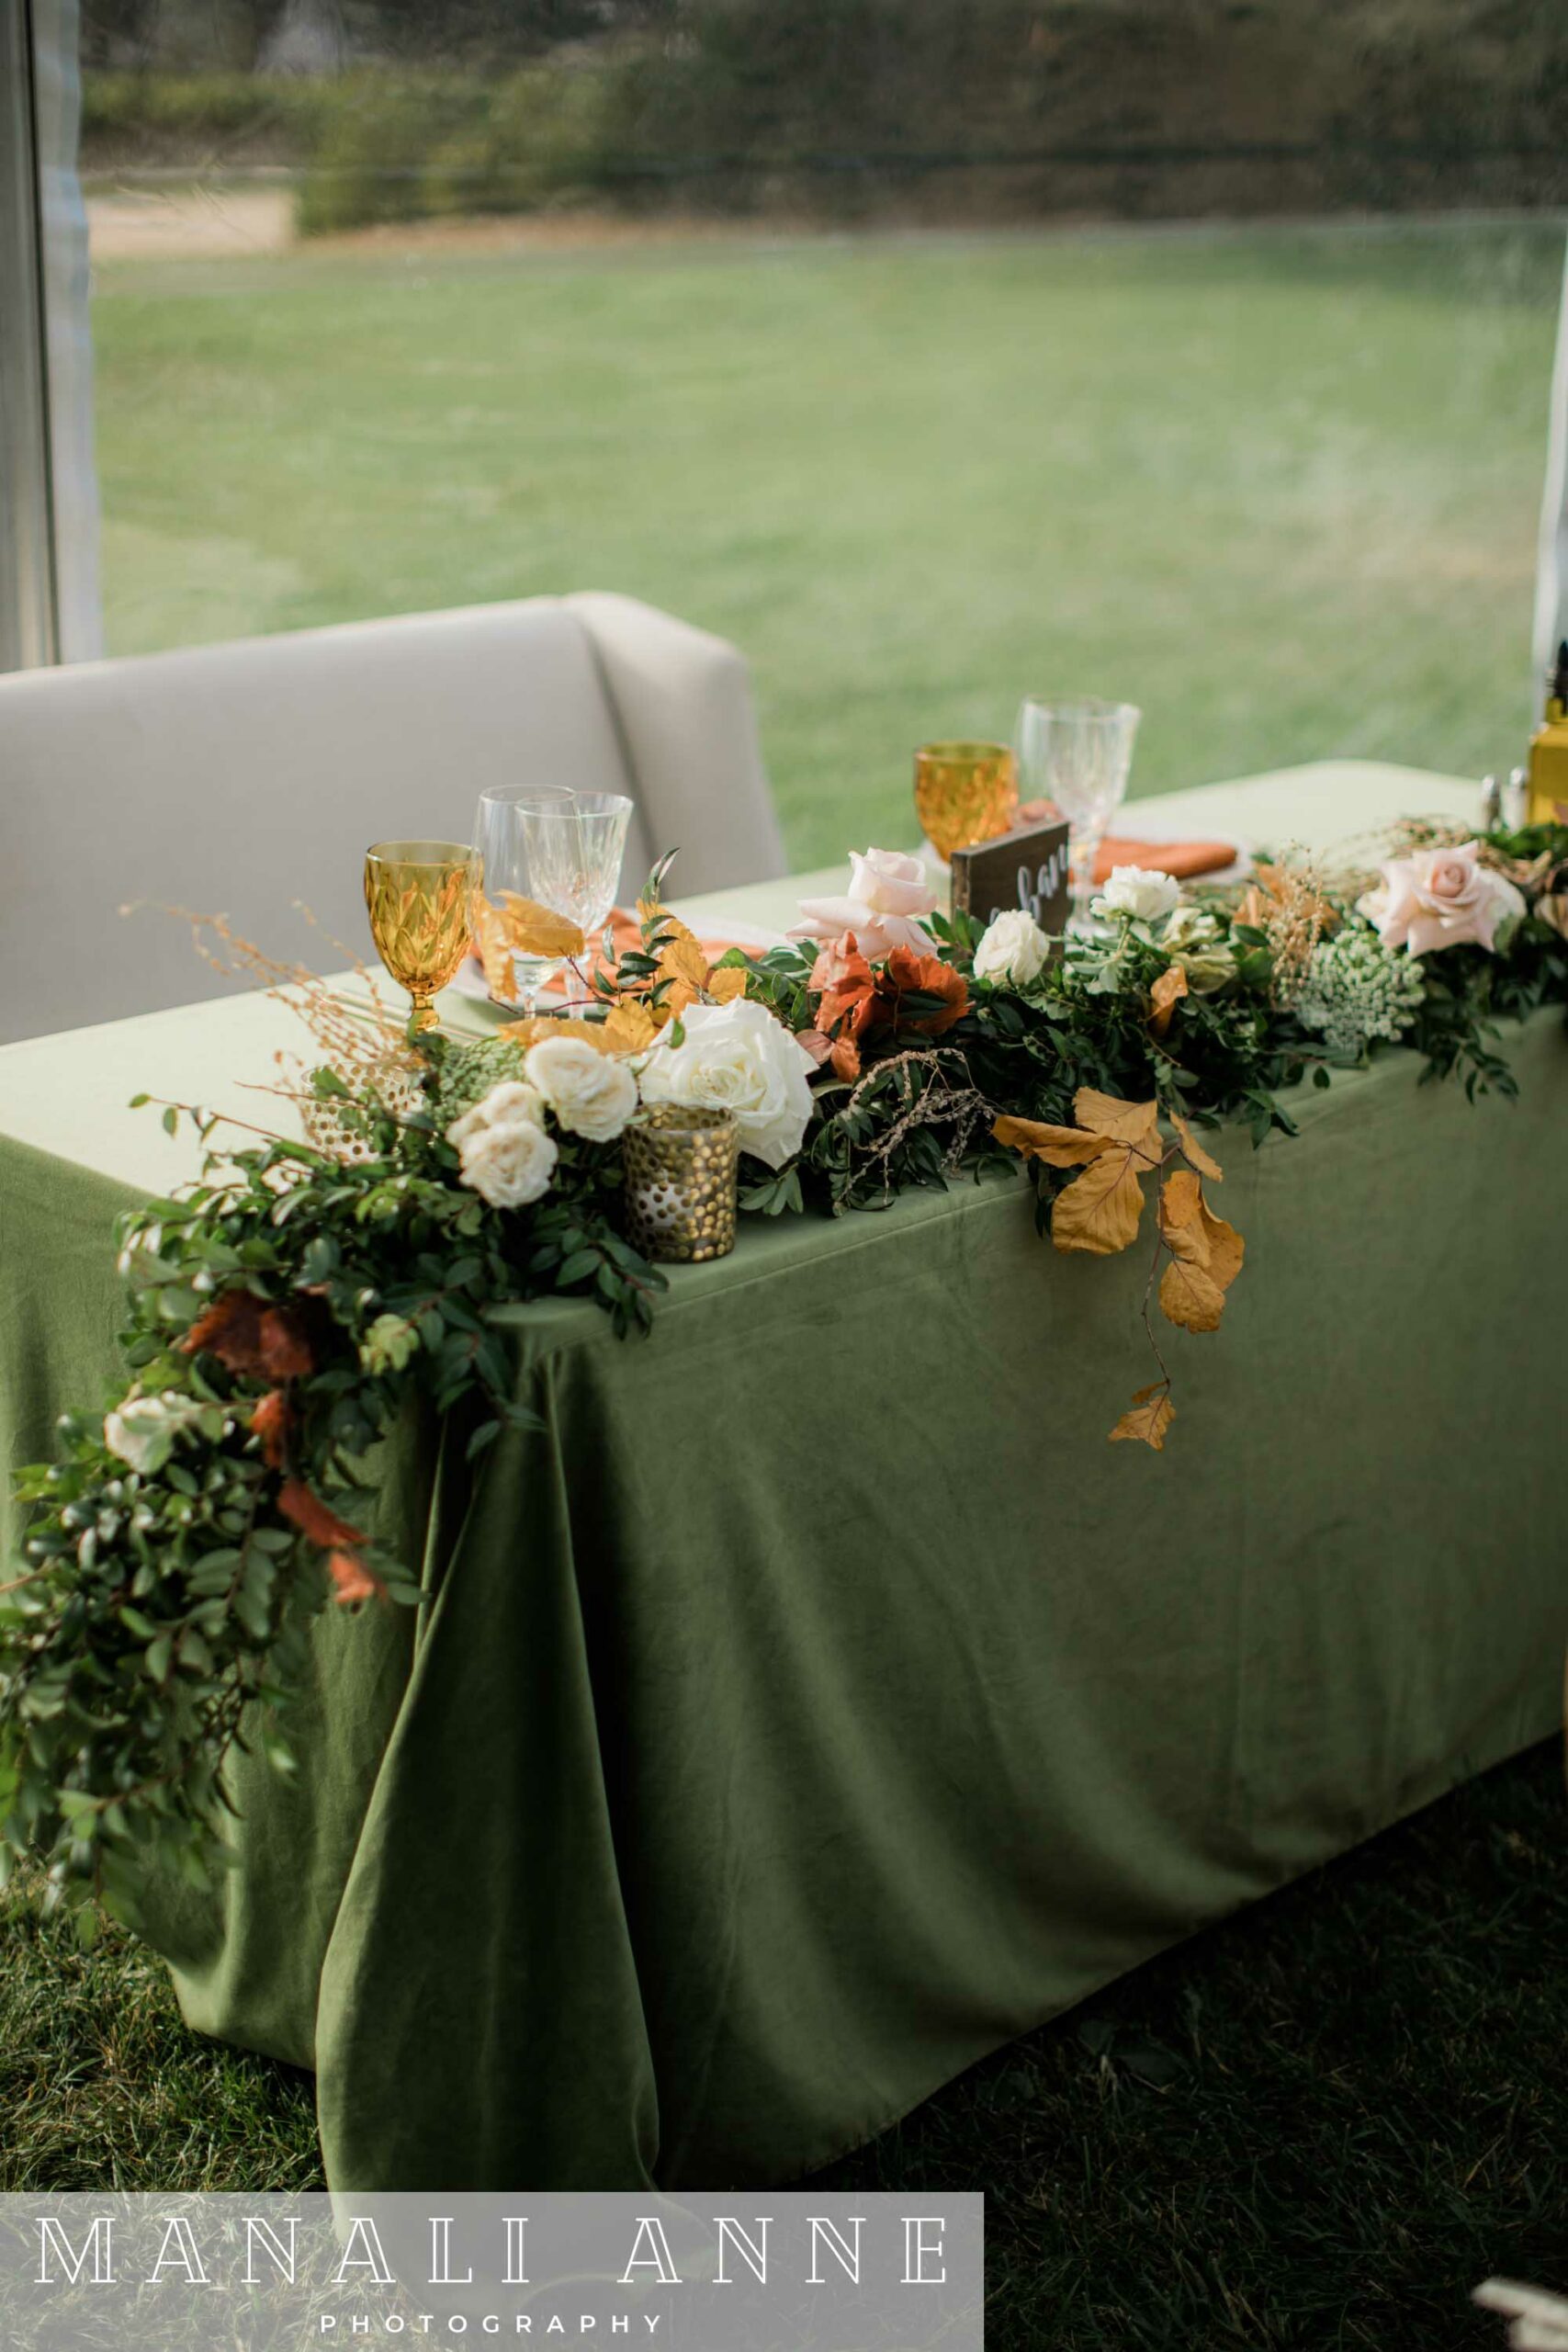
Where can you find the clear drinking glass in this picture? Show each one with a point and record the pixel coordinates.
(1077, 754)
(574, 857)
(503, 865)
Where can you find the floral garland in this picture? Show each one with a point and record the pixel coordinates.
(284, 1309)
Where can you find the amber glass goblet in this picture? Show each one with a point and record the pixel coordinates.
(965, 792)
(417, 893)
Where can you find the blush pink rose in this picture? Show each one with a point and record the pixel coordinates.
(888, 893)
(1439, 897)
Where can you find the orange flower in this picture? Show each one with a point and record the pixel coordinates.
(353, 1578)
(847, 983)
(258, 1342)
(312, 1518)
(270, 1422)
(907, 974)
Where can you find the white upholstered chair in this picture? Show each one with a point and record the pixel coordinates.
(239, 778)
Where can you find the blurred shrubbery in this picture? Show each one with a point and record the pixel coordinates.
(978, 107)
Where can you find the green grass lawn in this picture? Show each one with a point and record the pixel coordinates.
(1279, 485)
(1316, 2126)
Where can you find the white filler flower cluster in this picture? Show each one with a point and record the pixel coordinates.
(1356, 989)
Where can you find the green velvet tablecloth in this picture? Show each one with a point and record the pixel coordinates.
(820, 1700)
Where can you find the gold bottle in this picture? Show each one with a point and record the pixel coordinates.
(1548, 750)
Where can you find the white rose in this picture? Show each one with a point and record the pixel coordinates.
(508, 1165)
(591, 1094)
(738, 1058)
(1013, 949)
(886, 894)
(1191, 929)
(142, 1430)
(1140, 892)
(505, 1105)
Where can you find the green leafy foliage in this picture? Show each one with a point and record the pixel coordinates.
(166, 1588)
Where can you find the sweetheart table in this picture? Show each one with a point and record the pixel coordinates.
(815, 1700)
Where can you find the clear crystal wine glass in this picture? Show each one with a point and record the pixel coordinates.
(503, 866)
(574, 857)
(1077, 754)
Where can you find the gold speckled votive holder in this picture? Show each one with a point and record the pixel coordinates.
(681, 1165)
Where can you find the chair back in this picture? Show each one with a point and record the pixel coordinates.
(240, 778)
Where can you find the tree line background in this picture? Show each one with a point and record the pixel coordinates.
(908, 109)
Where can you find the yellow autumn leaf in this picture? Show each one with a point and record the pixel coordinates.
(1099, 1211)
(1194, 1150)
(1166, 995)
(1205, 1256)
(1180, 1219)
(631, 1027)
(1133, 1123)
(1226, 1247)
(681, 957)
(1190, 1296)
(534, 1031)
(1058, 1146)
(534, 930)
(724, 986)
(1150, 1415)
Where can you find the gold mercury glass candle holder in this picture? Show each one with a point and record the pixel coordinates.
(965, 792)
(417, 896)
(681, 1166)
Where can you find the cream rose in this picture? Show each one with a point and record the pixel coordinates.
(591, 1094)
(503, 1106)
(887, 895)
(1013, 949)
(142, 1430)
(738, 1058)
(1140, 892)
(1439, 897)
(509, 1164)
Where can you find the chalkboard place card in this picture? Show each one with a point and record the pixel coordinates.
(1027, 868)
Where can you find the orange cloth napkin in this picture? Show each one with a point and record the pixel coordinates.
(1183, 859)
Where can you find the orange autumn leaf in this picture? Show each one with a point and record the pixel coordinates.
(1058, 1146)
(725, 985)
(630, 1027)
(534, 1031)
(1134, 1124)
(1190, 1296)
(1114, 1143)
(1150, 1416)
(1166, 995)
(1226, 1247)
(1206, 1255)
(1099, 1210)
(681, 959)
(534, 930)
(1194, 1150)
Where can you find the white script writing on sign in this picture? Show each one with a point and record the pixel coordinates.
(1039, 891)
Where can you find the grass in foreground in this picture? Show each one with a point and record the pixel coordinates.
(1318, 2125)
(1279, 485)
